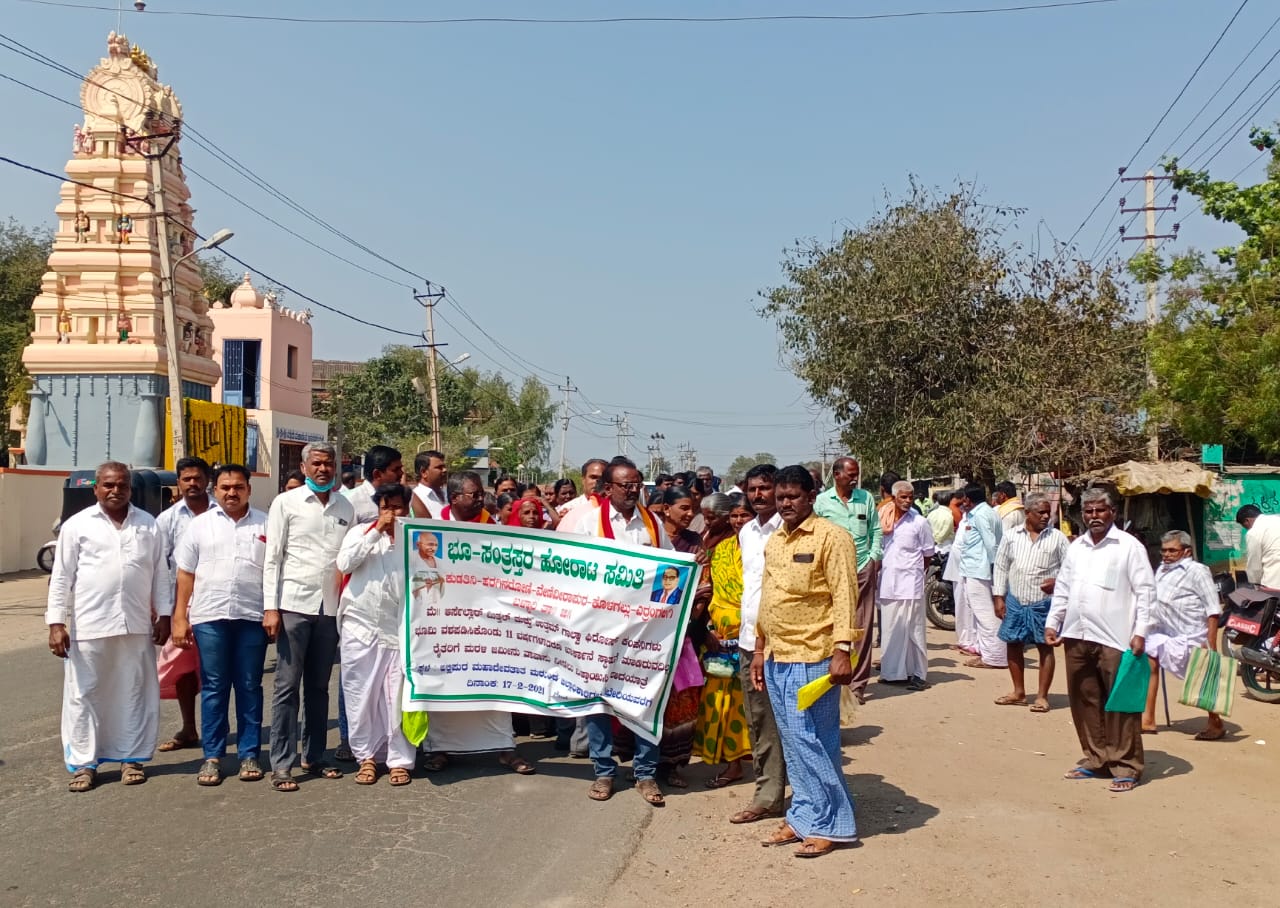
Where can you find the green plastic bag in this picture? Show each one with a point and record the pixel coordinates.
(414, 725)
(1129, 693)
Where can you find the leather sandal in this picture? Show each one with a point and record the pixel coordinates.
(601, 789)
(814, 848)
(398, 776)
(368, 773)
(783, 835)
(753, 815)
(84, 779)
(132, 774)
(650, 791)
(210, 774)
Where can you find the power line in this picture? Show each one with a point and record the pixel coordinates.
(607, 20)
(62, 178)
(1231, 104)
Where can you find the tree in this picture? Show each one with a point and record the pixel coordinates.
(940, 347)
(218, 278)
(1214, 350)
(24, 257)
(738, 468)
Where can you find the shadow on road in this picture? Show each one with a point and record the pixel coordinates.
(884, 808)
(1161, 765)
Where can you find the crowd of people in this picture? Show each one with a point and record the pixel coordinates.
(795, 581)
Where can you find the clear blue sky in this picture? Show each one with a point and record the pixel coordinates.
(607, 200)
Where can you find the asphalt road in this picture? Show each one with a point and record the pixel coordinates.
(472, 835)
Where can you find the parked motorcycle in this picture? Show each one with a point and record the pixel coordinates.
(44, 556)
(939, 596)
(1250, 621)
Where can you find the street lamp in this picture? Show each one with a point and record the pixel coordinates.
(178, 427)
(564, 433)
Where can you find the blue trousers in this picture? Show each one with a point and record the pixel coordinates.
(600, 744)
(231, 656)
(821, 805)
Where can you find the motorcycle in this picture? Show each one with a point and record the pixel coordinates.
(939, 595)
(44, 555)
(1250, 621)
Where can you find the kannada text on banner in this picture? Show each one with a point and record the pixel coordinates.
(500, 617)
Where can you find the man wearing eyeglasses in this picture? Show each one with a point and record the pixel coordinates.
(621, 516)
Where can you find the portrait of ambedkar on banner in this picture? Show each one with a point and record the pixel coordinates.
(669, 586)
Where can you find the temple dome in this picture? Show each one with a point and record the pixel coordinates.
(246, 296)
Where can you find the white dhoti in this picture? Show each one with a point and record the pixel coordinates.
(903, 653)
(966, 632)
(986, 625)
(1173, 653)
(110, 701)
(372, 677)
(475, 731)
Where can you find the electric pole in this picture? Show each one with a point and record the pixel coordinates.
(1149, 237)
(568, 388)
(624, 434)
(656, 463)
(428, 300)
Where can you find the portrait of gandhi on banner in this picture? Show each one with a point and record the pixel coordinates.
(426, 579)
(668, 587)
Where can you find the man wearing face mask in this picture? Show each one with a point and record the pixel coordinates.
(300, 581)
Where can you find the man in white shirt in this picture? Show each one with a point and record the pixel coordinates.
(1101, 606)
(178, 668)
(1185, 618)
(904, 656)
(382, 465)
(300, 580)
(108, 580)
(1262, 546)
(219, 612)
(369, 628)
(766, 743)
(429, 497)
(622, 517)
(571, 514)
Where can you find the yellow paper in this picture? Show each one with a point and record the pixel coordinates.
(812, 692)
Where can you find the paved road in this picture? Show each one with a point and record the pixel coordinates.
(472, 835)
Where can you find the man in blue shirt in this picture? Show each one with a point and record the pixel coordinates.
(854, 509)
(976, 550)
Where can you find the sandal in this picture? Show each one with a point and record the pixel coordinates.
(650, 791)
(675, 780)
(399, 776)
(343, 754)
(1011, 700)
(1207, 735)
(283, 781)
(322, 770)
(250, 770)
(132, 774)
(723, 780)
(518, 764)
(1079, 772)
(368, 773)
(435, 763)
(753, 815)
(179, 742)
(1040, 706)
(601, 789)
(783, 835)
(83, 779)
(1120, 786)
(814, 848)
(210, 774)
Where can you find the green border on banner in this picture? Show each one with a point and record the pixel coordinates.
(489, 529)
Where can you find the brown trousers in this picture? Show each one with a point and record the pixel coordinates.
(1112, 742)
(766, 743)
(868, 592)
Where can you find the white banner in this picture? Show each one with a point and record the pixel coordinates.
(500, 617)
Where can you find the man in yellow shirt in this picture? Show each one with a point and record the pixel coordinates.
(806, 629)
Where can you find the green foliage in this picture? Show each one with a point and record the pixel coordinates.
(736, 470)
(1214, 351)
(24, 257)
(218, 278)
(938, 348)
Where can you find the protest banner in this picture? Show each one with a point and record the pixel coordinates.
(506, 618)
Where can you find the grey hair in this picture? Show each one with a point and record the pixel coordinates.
(903, 486)
(318, 447)
(1182, 537)
(717, 503)
(1097, 494)
(113, 466)
(1034, 500)
(457, 483)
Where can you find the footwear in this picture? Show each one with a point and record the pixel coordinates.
(83, 780)
(283, 781)
(179, 742)
(250, 770)
(724, 779)
(601, 789)
(1208, 735)
(210, 773)
(435, 763)
(322, 770)
(1040, 706)
(368, 773)
(814, 848)
(1077, 773)
(518, 764)
(1011, 700)
(978, 663)
(343, 754)
(1121, 785)
(783, 835)
(132, 774)
(914, 683)
(399, 776)
(753, 815)
(650, 791)
(675, 780)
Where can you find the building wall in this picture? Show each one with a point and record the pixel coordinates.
(1222, 543)
(276, 429)
(37, 497)
(278, 330)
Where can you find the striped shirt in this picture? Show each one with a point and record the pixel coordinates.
(1022, 564)
(1186, 598)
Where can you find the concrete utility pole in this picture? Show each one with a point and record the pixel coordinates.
(624, 434)
(655, 454)
(568, 388)
(428, 300)
(1149, 238)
